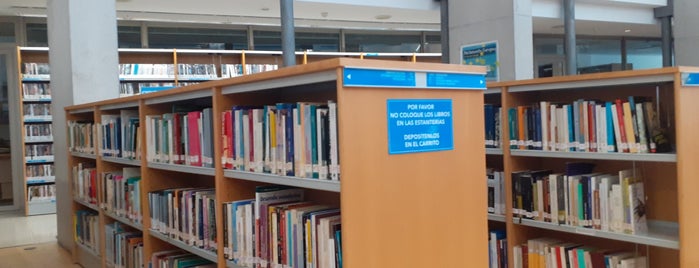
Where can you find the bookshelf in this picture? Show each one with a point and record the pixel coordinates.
(369, 174)
(666, 175)
(37, 138)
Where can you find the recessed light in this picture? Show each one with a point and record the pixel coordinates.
(324, 14)
(382, 17)
(627, 30)
(264, 9)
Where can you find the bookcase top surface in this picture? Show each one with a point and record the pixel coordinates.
(314, 67)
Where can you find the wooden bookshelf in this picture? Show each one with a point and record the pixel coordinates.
(669, 178)
(392, 204)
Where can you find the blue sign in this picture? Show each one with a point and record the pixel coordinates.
(455, 80)
(690, 79)
(485, 54)
(419, 125)
(378, 78)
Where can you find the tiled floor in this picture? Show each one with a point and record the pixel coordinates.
(36, 256)
(18, 230)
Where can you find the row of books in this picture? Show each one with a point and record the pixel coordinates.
(38, 132)
(608, 202)
(496, 191)
(38, 171)
(38, 152)
(37, 111)
(185, 214)
(119, 134)
(45, 192)
(87, 231)
(493, 125)
(235, 70)
(121, 191)
(279, 229)
(497, 249)
(33, 68)
(631, 126)
(553, 253)
(36, 91)
(146, 70)
(81, 136)
(124, 248)
(130, 89)
(288, 139)
(181, 138)
(85, 183)
(197, 71)
(178, 259)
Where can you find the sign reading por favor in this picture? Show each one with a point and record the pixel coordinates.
(419, 125)
(358, 77)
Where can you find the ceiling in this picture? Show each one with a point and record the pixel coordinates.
(418, 15)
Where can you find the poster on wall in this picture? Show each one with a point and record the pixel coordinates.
(485, 54)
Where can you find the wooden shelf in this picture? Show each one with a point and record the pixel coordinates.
(493, 151)
(183, 168)
(86, 204)
(325, 185)
(496, 217)
(123, 161)
(87, 249)
(83, 155)
(123, 220)
(660, 234)
(40, 180)
(598, 156)
(211, 256)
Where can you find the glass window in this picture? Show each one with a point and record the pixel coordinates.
(382, 42)
(37, 35)
(7, 32)
(599, 55)
(129, 36)
(267, 40)
(548, 46)
(326, 42)
(433, 44)
(165, 37)
(644, 54)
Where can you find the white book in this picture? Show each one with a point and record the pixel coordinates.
(258, 164)
(553, 197)
(553, 128)
(603, 129)
(334, 156)
(540, 213)
(637, 209)
(617, 214)
(517, 251)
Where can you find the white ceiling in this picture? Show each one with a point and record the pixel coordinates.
(416, 15)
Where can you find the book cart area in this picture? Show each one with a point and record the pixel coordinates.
(593, 170)
(337, 163)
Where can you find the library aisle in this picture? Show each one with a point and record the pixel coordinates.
(19, 230)
(51, 254)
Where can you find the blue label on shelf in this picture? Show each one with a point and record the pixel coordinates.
(355, 77)
(690, 79)
(378, 78)
(419, 125)
(456, 80)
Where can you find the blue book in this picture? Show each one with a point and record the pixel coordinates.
(610, 128)
(571, 130)
(538, 145)
(489, 125)
(338, 247)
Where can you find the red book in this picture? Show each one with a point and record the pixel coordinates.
(622, 131)
(193, 134)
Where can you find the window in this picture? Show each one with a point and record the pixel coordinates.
(37, 35)
(599, 55)
(433, 44)
(129, 36)
(267, 40)
(382, 42)
(326, 42)
(166, 37)
(644, 54)
(7, 32)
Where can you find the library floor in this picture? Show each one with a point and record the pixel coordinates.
(18, 230)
